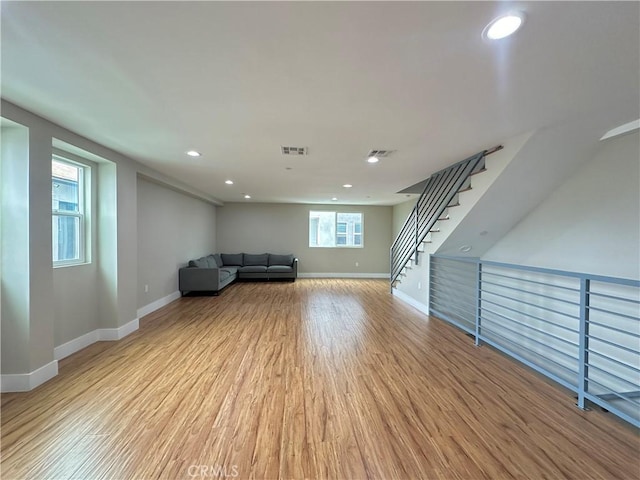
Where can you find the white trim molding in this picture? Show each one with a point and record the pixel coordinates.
(343, 275)
(99, 335)
(622, 129)
(75, 345)
(112, 334)
(23, 382)
(153, 306)
(411, 301)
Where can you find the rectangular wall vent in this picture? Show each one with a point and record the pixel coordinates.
(379, 153)
(293, 150)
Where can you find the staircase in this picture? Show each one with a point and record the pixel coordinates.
(441, 193)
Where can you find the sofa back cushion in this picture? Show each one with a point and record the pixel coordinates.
(211, 261)
(232, 259)
(280, 260)
(200, 262)
(261, 259)
(216, 257)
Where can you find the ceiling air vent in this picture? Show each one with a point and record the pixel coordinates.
(380, 153)
(293, 150)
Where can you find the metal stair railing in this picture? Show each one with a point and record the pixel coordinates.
(580, 330)
(438, 193)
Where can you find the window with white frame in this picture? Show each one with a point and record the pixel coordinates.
(68, 211)
(335, 229)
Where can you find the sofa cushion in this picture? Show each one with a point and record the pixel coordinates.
(279, 269)
(280, 259)
(229, 270)
(261, 259)
(253, 269)
(200, 262)
(218, 260)
(231, 259)
(211, 261)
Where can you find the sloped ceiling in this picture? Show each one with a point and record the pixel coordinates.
(237, 80)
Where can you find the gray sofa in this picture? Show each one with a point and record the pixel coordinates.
(214, 272)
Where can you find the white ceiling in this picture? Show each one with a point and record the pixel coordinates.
(238, 80)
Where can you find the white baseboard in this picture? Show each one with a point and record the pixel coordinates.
(411, 301)
(153, 306)
(112, 334)
(75, 345)
(343, 275)
(98, 335)
(23, 382)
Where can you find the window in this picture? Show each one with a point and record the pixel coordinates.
(69, 226)
(335, 229)
(341, 233)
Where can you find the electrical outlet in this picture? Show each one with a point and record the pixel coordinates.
(146, 289)
(419, 285)
(357, 264)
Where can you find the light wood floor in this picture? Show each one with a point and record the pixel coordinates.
(316, 379)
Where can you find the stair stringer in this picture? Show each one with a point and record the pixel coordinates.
(413, 286)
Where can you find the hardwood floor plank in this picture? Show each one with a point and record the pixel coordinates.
(317, 379)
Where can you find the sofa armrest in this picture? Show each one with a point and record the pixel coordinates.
(198, 279)
(295, 268)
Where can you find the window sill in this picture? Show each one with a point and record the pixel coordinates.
(67, 265)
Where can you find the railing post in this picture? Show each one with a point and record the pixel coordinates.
(417, 228)
(391, 270)
(583, 342)
(478, 302)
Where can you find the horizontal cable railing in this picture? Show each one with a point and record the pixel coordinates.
(580, 330)
(439, 192)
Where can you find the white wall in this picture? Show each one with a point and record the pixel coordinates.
(27, 280)
(14, 163)
(284, 228)
(73, 305)
(172, 229)
(590, 224)
(80, 316)
(400, 213)
(63, 304)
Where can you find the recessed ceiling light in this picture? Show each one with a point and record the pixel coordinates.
(334, 199)
(347, 185)
(373, 159)
(503, 26)
(193, 153)
(229, 182)
(247, 196)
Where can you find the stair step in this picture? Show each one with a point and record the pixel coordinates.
(444, 218)
(483, 169)
(451, 205)
(434, 230)
(465, 189)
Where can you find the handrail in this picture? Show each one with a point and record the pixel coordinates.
(438, 193)
(581, 330)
